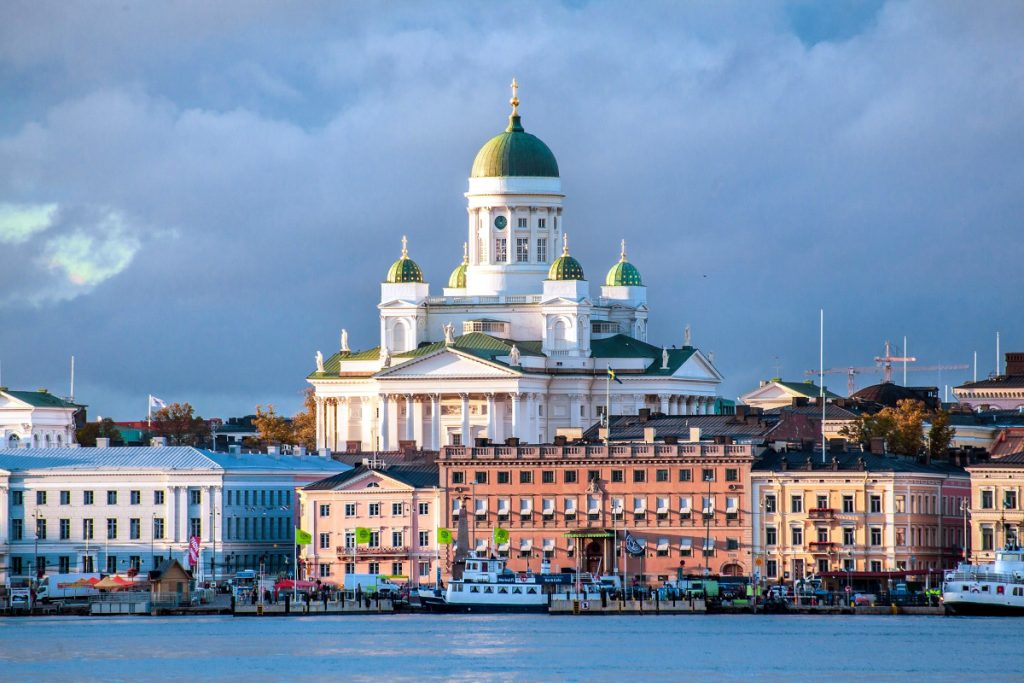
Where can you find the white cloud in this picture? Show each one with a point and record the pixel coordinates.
(18, 222)
(89, 255)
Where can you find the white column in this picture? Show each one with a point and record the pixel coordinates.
(574, 410)
(182, 513)
(492, 421)
(5, 524)
(422, 439)
(530, 423)
(343, 422)
(467, 439)
(319, 422)
(205, 515)
(410, 420)
(663, 403)
(517, 418)
(435, 422)
(382, 428)
(368, 407)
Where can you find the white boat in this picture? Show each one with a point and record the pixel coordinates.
(487, 585)
(988, 589)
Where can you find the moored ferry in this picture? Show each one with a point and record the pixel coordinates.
(487, 585)
(989, 589)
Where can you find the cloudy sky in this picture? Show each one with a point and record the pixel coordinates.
(195, 196)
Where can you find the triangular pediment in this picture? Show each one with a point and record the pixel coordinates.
(565, 301)
(773, 391)
(399, 303)
(446, 363)
(697, 367)
(10, 402)
(374, 480)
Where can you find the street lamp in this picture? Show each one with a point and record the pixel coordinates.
(965, 507)
(38, 517)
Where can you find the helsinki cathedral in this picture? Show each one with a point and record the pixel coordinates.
(515, 346)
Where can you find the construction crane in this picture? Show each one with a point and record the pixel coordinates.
(885, 368)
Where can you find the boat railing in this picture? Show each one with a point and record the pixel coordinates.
(990, 577)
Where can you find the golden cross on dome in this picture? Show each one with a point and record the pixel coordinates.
(565, 244)
(405, 247)
(515, 98)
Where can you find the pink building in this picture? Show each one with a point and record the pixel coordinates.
(399, 504)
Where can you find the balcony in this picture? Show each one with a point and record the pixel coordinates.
(821, 546)
(822, 513)
(346, 551)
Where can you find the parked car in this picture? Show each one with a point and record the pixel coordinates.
(864, 599)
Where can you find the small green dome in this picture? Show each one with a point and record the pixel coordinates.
(565, 267)
(404, 269)
(623, 273)
(457, 280)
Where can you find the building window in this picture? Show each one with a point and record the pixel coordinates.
(480, 477)
(135, 497)
(987, 538)
(732, 474)
(374, 510)
(732, 544)
(848, 504)
(87, 529)
(158, 528)
(504, 477)
(111, 527)
(848, 536)
(16, 568)
(876, 565)
(822, 534)
(797, 535)
(396, 569)
(458, 477)
(876, 504)
(771, 568)
(397, 539)
(547, 477)
(522, 249)
(40, 497)
(525, 477)
(325, 569)
(423, 508)
(822, 502)
(111, 497)
(569, 476)
(618, 476)
(424, 539)
(350, 509)
(350, 540)
(158, 497)
(17, 529)
(135, 528)
(522, 223)
(373, 567)
(708, 474)
(111, 564)
(1010, 499)
(771, 536)
(424, 569)
(796, 504)
(661, 475)
(195, 498)
(876, 535)
(64, 564)
(65, 497)
(87, 498)
(325, 510)
(195, 528)
(325, 541)
(350, 567)
(65, 529)
(500, 250)
(901, 504)
(542, 247)
(542, 223)
(639, 476)
(769, 503)
(41, 529)
(397, 509)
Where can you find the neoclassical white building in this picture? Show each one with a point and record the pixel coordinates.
(515, 345)
(36, 419)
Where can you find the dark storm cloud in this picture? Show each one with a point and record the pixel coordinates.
(230, 182)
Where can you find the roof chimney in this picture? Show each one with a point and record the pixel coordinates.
(1014, 364)
(649, 434)
(102, 442)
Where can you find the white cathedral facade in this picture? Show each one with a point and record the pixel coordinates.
(515, 346)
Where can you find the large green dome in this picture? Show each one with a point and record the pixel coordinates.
(623, 273)
(514, 153)
(404, 269)
(565, 267)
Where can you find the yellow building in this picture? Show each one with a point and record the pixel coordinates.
(996, 514)
(855, 516)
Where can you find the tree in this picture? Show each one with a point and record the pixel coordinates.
(273, 428)
(940, 435)
(177, 423)
(304, 422)
(902, 427)
(105, 428)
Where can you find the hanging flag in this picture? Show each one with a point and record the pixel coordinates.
(155, 402)
(444, 536)
(303, 537)
(500, 535)
(633, 546)
(193, 551)
(611, 373)
(363, 534)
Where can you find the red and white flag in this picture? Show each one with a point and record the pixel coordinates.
(193, 551)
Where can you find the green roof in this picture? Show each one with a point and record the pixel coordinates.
(623, 274)
(623, 346)
(514, 153)
(41, 398)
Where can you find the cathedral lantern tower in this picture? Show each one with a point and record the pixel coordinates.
(515, 212)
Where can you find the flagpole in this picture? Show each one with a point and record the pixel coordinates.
(295, 564)
(149, 412)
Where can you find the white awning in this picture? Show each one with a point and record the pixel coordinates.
(570, 505)
(526, 544)
(709, 544)
(662, 544)
(732, 504)
(662, 505)
(481, 545)
(456, 505)
(549, 544)
(548, 506)
(684, 504)
(593, 504)
(503, 547)
(525, 505)
(480, 505)
(639, 504)
(709, 505)
(685, 543)
(617, 505)
(503, 506)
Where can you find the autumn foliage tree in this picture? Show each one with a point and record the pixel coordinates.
(940, 436)
(902, 427)
(304, 422)
(105, 428)
(179, 424)
(273, 429)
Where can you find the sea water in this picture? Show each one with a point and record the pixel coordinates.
(509, 647)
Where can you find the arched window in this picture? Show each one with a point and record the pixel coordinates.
(60, 441)
(399, 337)
(46, 440)
(560, 335)
(12, 441)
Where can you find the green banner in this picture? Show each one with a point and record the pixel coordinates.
(500, 535)
(303, 537)
(362, 534)
(444, 536)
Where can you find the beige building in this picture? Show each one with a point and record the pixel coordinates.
(996, 514)
(399, 504)
(776, 393)
(857, 515)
